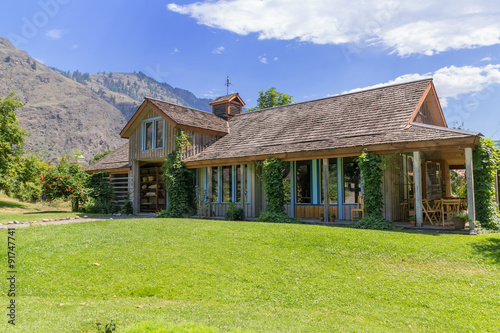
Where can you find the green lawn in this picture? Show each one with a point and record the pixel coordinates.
(253, 276)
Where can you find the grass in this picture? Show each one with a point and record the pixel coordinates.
(253, 276)
(11, 209)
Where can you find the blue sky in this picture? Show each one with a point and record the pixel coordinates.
(308, 49)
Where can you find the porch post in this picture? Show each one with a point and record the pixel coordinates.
(242, 187)
(326, 194)
(209, 191)
(496, 186)
(469, 173)
(136, 187)
(417, 169)
(340, 188)
(292, 189)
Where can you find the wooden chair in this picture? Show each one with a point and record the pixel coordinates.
(435, 212)
(426, 210)
(360, 209)
(449, 207)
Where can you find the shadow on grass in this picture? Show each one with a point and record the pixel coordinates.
(12, 204)
(489, 248)
(49, 212)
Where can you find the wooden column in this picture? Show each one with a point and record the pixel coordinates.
(447, 178)
(326, 194)
(417, 169)
(340, 188)
(292, 189)
(242, 187)
(252, 188)
(137, 186)
(469, 173)
(209, 191)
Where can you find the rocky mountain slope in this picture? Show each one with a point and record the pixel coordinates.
(65, 111)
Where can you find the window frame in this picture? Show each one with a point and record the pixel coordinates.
(153, 122)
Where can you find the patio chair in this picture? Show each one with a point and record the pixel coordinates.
(360, 209)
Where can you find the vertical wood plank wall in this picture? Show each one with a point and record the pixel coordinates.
(392, 209)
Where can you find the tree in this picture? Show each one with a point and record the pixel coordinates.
(98, 156)
(270, 98)
(11, 138)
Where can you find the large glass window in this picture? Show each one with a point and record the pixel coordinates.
(215, 184)
(303, 177)
(153, 135)
(227, 183)
(352, 188)
(332, 181)
(238, 183)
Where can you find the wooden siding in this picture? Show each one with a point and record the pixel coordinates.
(310, 211)
(135, 141)
(199, 142)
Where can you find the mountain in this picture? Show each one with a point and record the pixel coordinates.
(66, 111)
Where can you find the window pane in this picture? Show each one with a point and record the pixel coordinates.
(352, 189)
(215, 184)
(332, 188)
(304, 182)
(149, 135)
(227, 183)
(286, 183)
(159, 134)
(238, 183)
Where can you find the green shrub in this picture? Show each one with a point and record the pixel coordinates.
(127, 208)
(274, 217)
(235, 213)
(29, 192)
(272, 170)
(98, 206)
(375, 223)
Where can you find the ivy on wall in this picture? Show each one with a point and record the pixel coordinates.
(371, 169)
(486, 161)
(178, 181)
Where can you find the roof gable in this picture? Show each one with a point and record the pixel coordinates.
(227, 98)
(428, 110)
(179, 117)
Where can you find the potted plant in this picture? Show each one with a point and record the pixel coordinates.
(413, 221)
(213, 213)
(459, 220)
(332, 217)
(321, 217)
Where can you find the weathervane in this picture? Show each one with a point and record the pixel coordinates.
(227, 84)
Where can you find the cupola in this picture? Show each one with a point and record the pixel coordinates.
(227, 106)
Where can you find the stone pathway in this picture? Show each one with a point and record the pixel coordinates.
(67, 220)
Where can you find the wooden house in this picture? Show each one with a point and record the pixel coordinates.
(318, 139)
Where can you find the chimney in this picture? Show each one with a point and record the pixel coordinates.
(227, 106)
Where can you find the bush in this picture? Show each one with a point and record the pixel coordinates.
(235, 213)
(98, 206)
(30, 192)
(127, 208)
(274, 217)
(375, 223)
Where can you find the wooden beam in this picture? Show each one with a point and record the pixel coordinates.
(417, 165)
(496, 188)
(111, 171)
(447, 178)
(242, 186)
(136, 187)
(292, 189)
(326, 194)
(419, 105)
(209, 190)
(382, 149)
(469, 173)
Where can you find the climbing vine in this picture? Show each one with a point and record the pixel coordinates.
(178, 181)
(371, 169)
(486, 161)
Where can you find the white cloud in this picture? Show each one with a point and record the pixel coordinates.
(54, 34)
(263, 59)
(409, 27)
(276, 59)
(486, 59)
(176, 50)
(218, 50)
(451, 82)
(40, 60)
(74, 46)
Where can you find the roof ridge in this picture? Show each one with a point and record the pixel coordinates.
(445, 129)
(336, 96)
(183, 106)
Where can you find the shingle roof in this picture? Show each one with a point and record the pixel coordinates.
(364, 118)
(223, 98)
(190, 117)
(117, 159)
